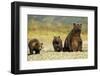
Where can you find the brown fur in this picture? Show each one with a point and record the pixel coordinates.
(57, 44)
(35, 45)
(73, 41)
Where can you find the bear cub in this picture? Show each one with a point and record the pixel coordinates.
(57, 44)
(35, 45)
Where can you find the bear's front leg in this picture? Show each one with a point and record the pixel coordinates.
(80, 46)
(31, 51)
(37, 51)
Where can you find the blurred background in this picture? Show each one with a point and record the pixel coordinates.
(45, 27)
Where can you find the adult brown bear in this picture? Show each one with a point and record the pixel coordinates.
(35, 45)
(57, 43)
(73, 41)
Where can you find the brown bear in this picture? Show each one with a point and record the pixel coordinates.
(57, 44)
(35, 45)
(73, 41)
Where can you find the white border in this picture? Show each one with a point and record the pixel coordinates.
(25, 65)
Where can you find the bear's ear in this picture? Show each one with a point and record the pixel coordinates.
(80, 25)
(58, 36)
(54, 37)
(74, 24)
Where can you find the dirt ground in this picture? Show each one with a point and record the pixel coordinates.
(47, 54)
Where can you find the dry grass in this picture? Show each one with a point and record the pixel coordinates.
(48, 52)
(46, 34)
(58, 55)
